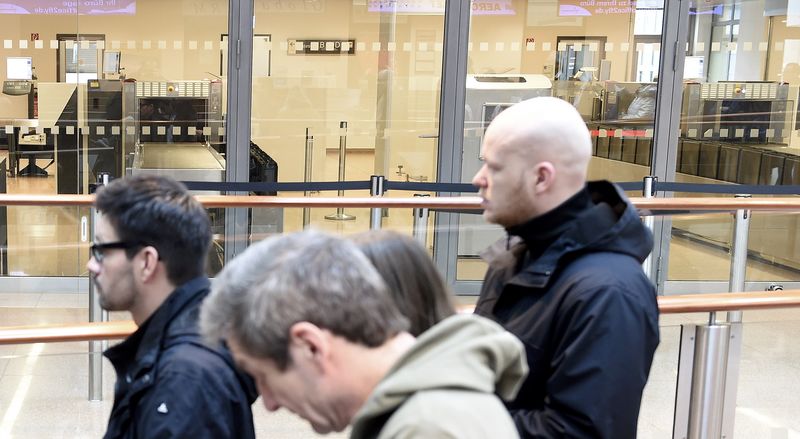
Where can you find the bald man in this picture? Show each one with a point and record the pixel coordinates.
(568, 280)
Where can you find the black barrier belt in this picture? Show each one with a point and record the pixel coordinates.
(430, 187)
(273, 187)
(752, 189)
(468, 188)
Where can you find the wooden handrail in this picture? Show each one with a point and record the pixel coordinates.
(66, 332)
(680, 304)
(693, 303)
(646, 205)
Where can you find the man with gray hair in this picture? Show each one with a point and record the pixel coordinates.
(568, 280)
(309, 317)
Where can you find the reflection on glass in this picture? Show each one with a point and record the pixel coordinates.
(603, 60)
(100, 82)
(738, 123)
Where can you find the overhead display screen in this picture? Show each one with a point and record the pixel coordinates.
(68, 7)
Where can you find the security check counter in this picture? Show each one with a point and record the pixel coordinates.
(188, 161)
(487, 96)
(176, 123)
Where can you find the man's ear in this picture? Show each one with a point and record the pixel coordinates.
(309, 342)
(544, 176)
(147, 262)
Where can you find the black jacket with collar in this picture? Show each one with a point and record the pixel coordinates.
(170, 384)
(587, 315)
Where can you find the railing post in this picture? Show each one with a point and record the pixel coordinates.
(96, 314)
(741, 230)
(376, 189)
(739, 244)
(420, 225)
(708, 381)
(648, 191)
(307, 175)
(340, 215)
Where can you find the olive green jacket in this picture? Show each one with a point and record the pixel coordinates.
(446, 385)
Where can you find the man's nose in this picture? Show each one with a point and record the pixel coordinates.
(92, 265)
(478, 180)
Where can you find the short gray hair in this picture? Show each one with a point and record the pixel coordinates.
(300, 277)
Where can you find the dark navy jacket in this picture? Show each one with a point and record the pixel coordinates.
(588, 317)
(170, 384)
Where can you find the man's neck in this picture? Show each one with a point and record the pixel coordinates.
(368, 366)
(151, 296)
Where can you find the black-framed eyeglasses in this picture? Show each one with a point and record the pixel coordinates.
(98, 250)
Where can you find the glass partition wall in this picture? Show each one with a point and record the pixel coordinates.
(739, 124)
(344, 90)
(102, 88)
(602, 60)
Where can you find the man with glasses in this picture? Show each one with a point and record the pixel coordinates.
(151, 242)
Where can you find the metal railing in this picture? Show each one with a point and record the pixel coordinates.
(708, 363)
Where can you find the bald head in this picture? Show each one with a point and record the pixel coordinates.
(545, 129)
(539, 150)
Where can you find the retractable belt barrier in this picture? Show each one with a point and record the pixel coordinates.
(658, 186)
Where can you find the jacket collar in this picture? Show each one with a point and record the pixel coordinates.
(599, 227)
(142, 348)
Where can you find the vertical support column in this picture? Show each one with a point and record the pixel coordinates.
(96, 314)
(451, 132)
(649, 191)
(340, 215)
(420, 225)
(376, 189)
(307, 175)
(241, 22)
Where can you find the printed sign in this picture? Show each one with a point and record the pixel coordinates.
(68, 7)
(409, 7)
(567, 8)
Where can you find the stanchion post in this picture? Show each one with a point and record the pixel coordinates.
(340, 215)
(420, 225)
(648, 191)
(377, 189)
(307, 174)
(96, 314)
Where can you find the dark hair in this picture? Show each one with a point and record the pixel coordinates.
(413, 281)
(159, 211)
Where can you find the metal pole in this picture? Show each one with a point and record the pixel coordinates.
(96, 314)
(741, 230)
(420, 226)
(376, 189)
(340, 215)
(649, 221)
(708, 381)
(307, 175)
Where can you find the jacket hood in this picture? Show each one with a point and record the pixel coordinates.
(465, 352)
(610, 225)
(617, 225)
